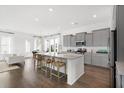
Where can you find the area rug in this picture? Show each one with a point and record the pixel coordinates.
(4, 67)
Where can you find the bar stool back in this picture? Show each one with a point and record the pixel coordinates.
(58, 63)
(47, 64)
(39, 59)
(43, 64)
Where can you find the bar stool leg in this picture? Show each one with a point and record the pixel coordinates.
(52, 68)
(46, 68)
(58, 72)
(41, 64)
(34, 64)
(65, 69)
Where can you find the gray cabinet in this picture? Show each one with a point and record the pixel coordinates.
(101, 37)
(80, 36)
(73, 42)
(88, 58)
(100, 59)
(96, 59)
(69, 41)
(66, 40)
(89, 39)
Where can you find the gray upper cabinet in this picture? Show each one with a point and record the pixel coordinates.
(80, 36)
(66, 40)
(73, 42)
(101, 37)
(89, 39)
(65, 43)
(70, 40)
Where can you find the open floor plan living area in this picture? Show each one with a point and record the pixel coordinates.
(61, 46)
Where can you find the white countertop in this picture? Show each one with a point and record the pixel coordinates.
(120, 68)
(64, 56)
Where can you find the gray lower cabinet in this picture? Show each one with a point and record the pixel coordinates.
(88, 58)
(89, 40)
(101, 37)
(96, 59)
(100, 59)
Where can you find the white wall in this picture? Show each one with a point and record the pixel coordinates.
(19, 43)
(88, 28)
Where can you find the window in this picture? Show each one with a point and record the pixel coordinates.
(5, 45)
(57, 44)
(28, 46)
(52, 45)
(47, 46)
(37, 44)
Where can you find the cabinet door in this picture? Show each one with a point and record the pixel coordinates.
(89, 39)
(88, 58)
(101, 37)
(80, 36)
(73, 42)
(65, 41)
(69, 41)
(100, 59)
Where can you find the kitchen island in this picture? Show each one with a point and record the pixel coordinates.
(74, 65)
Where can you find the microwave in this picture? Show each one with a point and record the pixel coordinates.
(80, 43)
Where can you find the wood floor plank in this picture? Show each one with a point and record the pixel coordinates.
(28, 77)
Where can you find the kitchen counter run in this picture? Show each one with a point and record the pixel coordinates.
(64, 56)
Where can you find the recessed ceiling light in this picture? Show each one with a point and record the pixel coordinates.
(74, 23)
(94, 16)
(50, 9)
(36, 19)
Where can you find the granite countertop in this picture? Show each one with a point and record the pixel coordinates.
(120, 68)
(64, 55)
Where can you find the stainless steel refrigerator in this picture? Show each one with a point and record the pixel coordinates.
(119, 34)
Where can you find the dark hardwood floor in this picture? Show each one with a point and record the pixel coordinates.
(28, 77)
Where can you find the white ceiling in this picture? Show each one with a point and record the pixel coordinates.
(36, 19)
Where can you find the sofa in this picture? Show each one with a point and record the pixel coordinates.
(15, 59)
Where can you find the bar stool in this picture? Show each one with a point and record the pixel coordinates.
(58, 63)
(35, 59)
(34, 56)
(46, 64)
(38, 61)
(43, 63)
